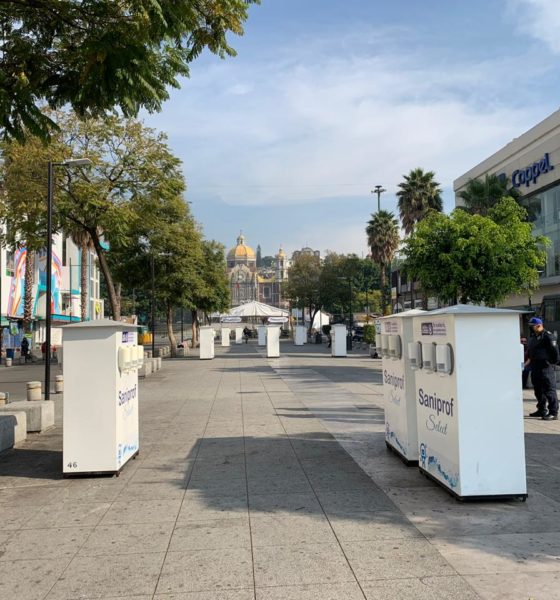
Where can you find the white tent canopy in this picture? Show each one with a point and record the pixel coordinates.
(320, 319)
(257, 309)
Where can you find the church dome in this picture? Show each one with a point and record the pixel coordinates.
(241, 251)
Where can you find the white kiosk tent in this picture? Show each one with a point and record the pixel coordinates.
(257, 309)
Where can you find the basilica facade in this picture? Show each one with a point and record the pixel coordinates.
(249, 281)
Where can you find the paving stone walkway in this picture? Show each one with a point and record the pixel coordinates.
(269, 480)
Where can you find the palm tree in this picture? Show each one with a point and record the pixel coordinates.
(83, 240)
(418, 194)
(480, 195)
(28, 299)
(383, 239)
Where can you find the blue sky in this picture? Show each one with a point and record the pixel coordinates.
(328, 98)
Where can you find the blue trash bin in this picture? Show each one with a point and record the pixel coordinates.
(10, 353)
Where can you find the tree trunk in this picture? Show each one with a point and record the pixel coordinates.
(170, 332)
(28, 296)
(383, 281)
(113, 298)
(83, 281)
(194, 341)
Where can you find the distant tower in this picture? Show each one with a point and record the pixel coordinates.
(281, 266)
(259, 256)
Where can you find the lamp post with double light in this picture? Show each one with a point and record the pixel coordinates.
(378, 189)
(77, 162)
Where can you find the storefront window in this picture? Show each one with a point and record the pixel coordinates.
(544, 212)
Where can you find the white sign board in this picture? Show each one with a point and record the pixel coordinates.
(206, 342)
(273, 341)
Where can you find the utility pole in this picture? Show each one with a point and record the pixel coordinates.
(153, 311)
(378, 189)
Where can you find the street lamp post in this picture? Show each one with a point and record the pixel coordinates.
(78, 162)
(378, 189)
(153, 304)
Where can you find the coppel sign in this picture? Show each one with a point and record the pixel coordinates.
(529, 175)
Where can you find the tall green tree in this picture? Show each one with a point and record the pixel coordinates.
(161, 232)
(23, 208)
(335, 286)
(99, 55)
(130, 163)
(383, 239)
(347, 283)
(213, 293)
(481, 195)
(471, 258)
(418, 194)
(303, 285)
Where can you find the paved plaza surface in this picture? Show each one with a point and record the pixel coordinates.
(268, 479)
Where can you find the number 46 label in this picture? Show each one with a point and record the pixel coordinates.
(72, 465)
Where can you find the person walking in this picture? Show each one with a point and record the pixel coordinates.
(543, 355)
(25, 348)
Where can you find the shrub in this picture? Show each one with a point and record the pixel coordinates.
(369, 334)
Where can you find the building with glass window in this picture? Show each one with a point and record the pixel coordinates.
(531, 163)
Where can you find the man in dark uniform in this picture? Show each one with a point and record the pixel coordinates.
(543, 355)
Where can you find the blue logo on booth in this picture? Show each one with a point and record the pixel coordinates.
(423, 455)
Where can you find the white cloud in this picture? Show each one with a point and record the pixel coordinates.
(313, 123)
(540, 19)
(239, 89)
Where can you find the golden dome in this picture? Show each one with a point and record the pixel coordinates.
(241, 250)
(281, 253)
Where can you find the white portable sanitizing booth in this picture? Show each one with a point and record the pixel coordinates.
(261, 330)
(206, 342)
(239, 335)
(469, 401)
(225, 337)
(300, 335)
(399, 392)
(273, 341)
(338, 340)
(100, 418)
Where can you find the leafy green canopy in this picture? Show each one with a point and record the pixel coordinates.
(345, 278)
(213, 294)
(132, 169)
(97, 55)
(470, 258)
(166, 234)
(23, 206)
